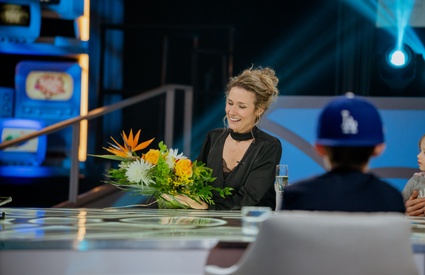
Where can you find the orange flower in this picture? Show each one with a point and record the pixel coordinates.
(130, 145)
(152, 156)
(184, 168)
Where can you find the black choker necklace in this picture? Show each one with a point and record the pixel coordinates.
(241, 137)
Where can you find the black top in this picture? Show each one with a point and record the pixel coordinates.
(252, 179)
(343, 190)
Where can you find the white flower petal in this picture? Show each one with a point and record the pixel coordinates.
(138, 172)
(124, 164)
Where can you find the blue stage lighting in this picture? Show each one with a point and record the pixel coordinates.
(399, 67)
(399, 58)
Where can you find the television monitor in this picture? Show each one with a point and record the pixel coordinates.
(65, 9)
(32, 152)
(20, 20)
(47, 90)
(6, 102)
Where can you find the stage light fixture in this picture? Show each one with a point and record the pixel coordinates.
(399, 67)
(399, 57)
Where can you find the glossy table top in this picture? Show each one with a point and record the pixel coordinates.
(418, 234)
(86, 228)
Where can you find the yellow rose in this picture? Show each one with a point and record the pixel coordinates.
(184, 168)
(152, 156)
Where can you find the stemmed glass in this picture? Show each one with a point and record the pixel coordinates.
(281, 178)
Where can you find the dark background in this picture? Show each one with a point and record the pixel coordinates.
(266, 33)
(209, 41)
(323, 47)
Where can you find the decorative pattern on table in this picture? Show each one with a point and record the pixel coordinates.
(31, 224)
(418, 230)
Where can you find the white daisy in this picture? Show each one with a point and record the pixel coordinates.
(138, 172)
(173, 156)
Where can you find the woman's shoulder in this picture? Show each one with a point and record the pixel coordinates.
(218, 131)
(259, 134)
(266, 136)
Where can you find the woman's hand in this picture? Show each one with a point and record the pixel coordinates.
(185, 200)
(415, 206)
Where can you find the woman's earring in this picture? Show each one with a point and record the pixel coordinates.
(225, 121)
(257, 119)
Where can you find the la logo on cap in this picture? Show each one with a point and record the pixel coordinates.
(349, 125)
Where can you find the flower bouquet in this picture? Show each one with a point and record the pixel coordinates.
(173, 179)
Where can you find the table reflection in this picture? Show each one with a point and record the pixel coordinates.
(52, 227)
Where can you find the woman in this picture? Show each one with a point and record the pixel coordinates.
(242, 156)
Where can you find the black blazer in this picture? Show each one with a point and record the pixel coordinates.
(343, 190)
(252, 179)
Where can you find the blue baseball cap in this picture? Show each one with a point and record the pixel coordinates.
(350, 121)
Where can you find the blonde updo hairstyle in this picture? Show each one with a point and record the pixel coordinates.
(261, 81)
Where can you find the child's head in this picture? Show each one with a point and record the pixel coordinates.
(354, 157)
(421, 155)
(349, 121)
(349, 132)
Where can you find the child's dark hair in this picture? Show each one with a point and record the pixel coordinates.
(349, 156)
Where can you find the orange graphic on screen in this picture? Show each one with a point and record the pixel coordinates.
(49, 85)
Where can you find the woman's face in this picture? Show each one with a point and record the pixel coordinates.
(421, 155)
(240, 110)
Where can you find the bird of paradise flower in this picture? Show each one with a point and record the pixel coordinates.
(128, 150)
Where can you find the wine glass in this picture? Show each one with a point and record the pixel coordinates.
(281, 180)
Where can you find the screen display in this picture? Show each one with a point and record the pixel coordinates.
(14, 15)
(13, 133)
(44, 85)
(47, 90)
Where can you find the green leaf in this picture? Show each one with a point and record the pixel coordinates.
(112, 157)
